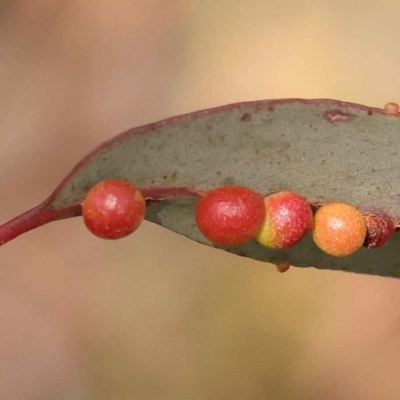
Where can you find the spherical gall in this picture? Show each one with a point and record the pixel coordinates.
(230, 215)
(339, 229)
(288, 219)
(113, 209)
(391, 108)
(379, 230)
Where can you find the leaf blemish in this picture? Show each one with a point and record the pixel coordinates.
(338, 116)
(246, 117)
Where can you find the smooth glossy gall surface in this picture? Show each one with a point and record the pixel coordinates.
(230, 215)
(113, 209)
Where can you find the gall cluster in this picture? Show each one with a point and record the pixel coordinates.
(234, 215)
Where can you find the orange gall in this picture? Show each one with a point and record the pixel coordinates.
(339, 229)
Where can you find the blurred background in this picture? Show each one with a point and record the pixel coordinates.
(156, 316)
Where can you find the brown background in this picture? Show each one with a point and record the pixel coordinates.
(155, 316)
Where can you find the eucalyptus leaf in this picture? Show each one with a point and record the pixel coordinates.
(326, 150)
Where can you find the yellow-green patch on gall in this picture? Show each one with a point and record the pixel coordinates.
(288, 219)
(339, 229)
(267, 234)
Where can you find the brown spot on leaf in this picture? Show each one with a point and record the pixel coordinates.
(246, 117)
(271, 108)
(338, 116)
(170, 177)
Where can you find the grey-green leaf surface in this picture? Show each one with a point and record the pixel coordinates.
(326, 150)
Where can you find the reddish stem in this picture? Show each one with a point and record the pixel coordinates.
(37, 216)
(44, 213)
